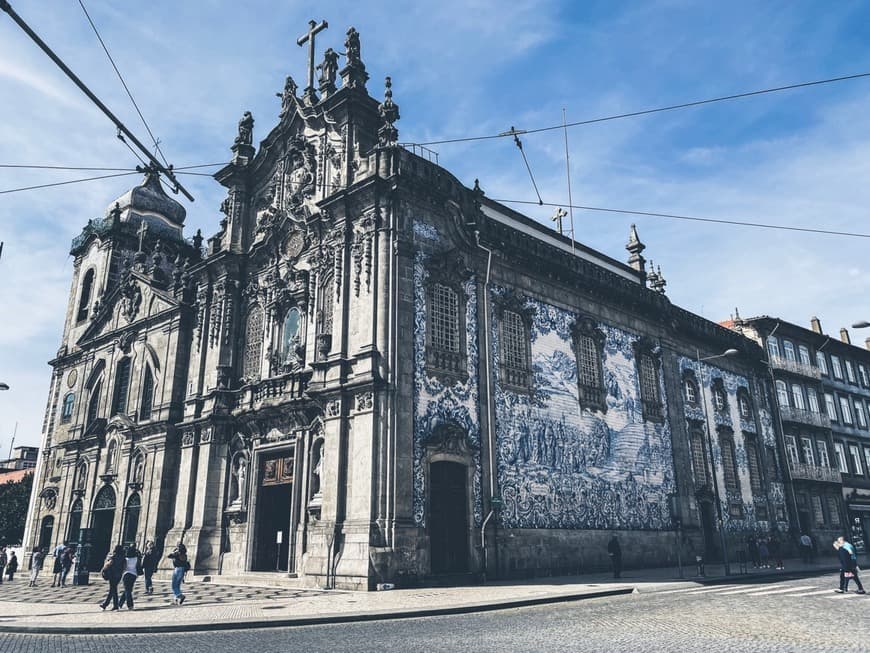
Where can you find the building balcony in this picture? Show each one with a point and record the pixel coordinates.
(779, 363)
(801, 416)
(805, 472)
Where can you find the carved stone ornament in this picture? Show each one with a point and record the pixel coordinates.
(448, 439)
(188, 437)
(125, 341)
(333, 408)
(364, 401)
(49, 498)
(205, 434)
(71, 378)
(131, 299)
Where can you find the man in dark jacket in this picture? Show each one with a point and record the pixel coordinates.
(149, 565)
(848, 569)
(112, 571)
(615, 553)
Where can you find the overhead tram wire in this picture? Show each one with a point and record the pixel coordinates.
(84, 168)
(644, 112)
(157, 165)
(124, 83)
(693, 218)
(64, 183)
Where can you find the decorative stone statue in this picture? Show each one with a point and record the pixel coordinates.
(246, 129)
(329, 68)
(351, 46)
(139, 470)
(240, 475)
(288, 95)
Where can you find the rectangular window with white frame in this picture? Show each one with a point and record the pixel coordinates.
(791, 449)
(824, 460)
(850, 372)
(856, 459)
(798, 396)
(835, 366)
(860, 415)
(822, 362)
(788, 347)
(862, 373)
(772, 347)
(867, 457)
(805, 355)
(813, 400)
(807, 446)
(845, 410)
(830, 406)
(840, 452)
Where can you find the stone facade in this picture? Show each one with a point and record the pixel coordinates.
(372, 373)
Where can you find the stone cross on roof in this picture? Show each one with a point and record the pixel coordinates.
(308, 37)
(143, 229)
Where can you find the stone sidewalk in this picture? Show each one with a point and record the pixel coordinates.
(211, 606)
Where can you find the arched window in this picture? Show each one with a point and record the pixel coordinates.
(94, 403)
(782, 394)
(290, 335)
(691, 391)
(719, 400)
(75, 522)
(85, 296)
(147, 395)
(122, 386)
(252, 360)
(699, 457)
(67, 411)
(729, 461)
(131, 519)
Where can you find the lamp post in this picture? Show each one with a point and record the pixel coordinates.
(863, 324)
(4, 386)
(713, 481)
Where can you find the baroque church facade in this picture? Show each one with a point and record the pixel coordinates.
(374, 373)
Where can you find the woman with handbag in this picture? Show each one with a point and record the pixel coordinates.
(132, 569)
(848, 569)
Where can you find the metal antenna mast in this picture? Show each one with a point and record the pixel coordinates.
(568, 171)
(5, 6)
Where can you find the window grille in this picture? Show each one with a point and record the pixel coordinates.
(588, 366)
(253, 344)
(122, 386)
(691, 392)
(513, 346)
(729, 463)
(754, 467)
(699, 460)
(445, 318)
(649, 382)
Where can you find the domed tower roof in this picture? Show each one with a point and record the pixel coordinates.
(148, 202)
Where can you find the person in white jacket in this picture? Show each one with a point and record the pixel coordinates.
(132, 569)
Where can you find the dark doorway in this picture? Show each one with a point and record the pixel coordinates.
(75, 522)
(708, 525)
(102, 523)
(131, 519)
(448, 518)
(274, 501)
(45, 532)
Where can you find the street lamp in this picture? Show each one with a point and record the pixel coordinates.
(4, 386)
(863, 324)
(714, 482)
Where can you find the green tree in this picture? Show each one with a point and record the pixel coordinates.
(14, 497)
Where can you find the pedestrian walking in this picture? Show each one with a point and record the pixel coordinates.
(3, 560)
(763, 553)
(775, 550)
(752, 546)
(149, 565)
(132, 570)
(181, 565)
(848, 568)
(806, 545)
(112, 570)
(66, 563)
(36, 562)
(57, 569)
(11, 567)
(615, 553)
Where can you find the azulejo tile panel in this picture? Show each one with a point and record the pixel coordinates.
(437, 404)
(567, 467)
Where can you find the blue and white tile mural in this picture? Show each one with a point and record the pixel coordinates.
(436, 404)
(740, 426)
(563, 466)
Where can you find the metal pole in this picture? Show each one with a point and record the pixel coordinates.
(680, 547)
(5, 6)
(713, 480)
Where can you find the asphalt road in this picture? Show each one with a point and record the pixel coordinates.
(790, 615)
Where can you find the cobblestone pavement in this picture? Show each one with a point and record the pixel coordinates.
(789, 615)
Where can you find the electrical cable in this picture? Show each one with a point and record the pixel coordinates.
(64, 183)
(693, 218)
(28, 167)
(519, 145)
(124, 83)
(645, 112)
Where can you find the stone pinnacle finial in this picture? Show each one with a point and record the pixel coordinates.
(354, 74)
(635, 247)
(389, 111)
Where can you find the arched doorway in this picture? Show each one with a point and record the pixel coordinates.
(131, 519)
(273, 515)
(75, 522)
(448, 517)
(45, 532)
(102, 522)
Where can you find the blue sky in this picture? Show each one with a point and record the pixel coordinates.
(465, 68)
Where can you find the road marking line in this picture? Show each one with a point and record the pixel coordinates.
(829, 590)
(781, 590)
(695, 590)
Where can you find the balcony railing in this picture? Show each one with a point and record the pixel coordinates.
(801, 416)
(803, 471)
(779, 363)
